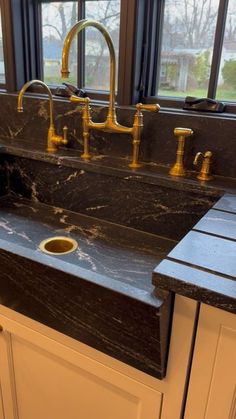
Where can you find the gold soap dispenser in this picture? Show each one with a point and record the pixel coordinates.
(205, 172)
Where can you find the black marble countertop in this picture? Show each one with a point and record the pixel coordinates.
(203, 265)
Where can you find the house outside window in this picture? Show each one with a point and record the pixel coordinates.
(198, 49)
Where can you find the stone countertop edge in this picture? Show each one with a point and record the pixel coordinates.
(150, 173)
(101, 280)
(79, 310)
(203, 264)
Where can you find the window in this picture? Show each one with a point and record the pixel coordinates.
(96, 51)
(89, 56)
(196, 50)
(166, 49)
(186, 48)
(226, 88)
(57, 20)
(35, 31)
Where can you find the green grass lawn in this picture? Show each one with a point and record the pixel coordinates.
(222, 94)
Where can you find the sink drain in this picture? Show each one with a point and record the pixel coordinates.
(58, 245)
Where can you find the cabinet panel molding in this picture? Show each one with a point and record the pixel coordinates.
(7, 376)
(213, 376)
(48, 380)
(222, 388)
(1, 405)
(232, 414)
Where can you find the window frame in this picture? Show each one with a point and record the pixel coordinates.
(141, 31)
(128, 24)
(172, 102)
(8, 51)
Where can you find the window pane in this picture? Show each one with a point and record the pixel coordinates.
(187, 44)
(96, 51)
(227, 76)
(2, 66)
(57, 19)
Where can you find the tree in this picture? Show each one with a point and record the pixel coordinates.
(188, 33)
(228, 73)
(201, 68)
(230, 29)
(190, 23)
(63, 18)
(96, 62)
(59, 17)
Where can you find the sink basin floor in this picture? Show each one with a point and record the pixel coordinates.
(120, 253)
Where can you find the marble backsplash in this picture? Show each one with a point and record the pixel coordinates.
(215, 133)
(3, 178)
(156, 209)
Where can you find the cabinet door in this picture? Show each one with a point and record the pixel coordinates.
(212, 390)
(52, 381)
(222, 395)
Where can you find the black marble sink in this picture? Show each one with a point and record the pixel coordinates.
(115, 252)
(102, 293)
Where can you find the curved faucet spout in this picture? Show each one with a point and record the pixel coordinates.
(78, 27)
(23, 90)
(53, 140)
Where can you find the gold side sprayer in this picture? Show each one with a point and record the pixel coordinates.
(178, 168)
(110, 124)
(205, 172)
(53, 140)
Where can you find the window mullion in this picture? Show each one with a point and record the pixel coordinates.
(150, 67)
(157, 32)
(16, 48)
(127, 51)
(21, 42)
(31, 12)
(217, 49)
(8, 43)
(141, 52)
(81, 47)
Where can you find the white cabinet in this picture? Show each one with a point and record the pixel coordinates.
(47, 375)
(212, 388)
(52, 381)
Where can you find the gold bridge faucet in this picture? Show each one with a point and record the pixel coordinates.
(110, 124)
(53, 140)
